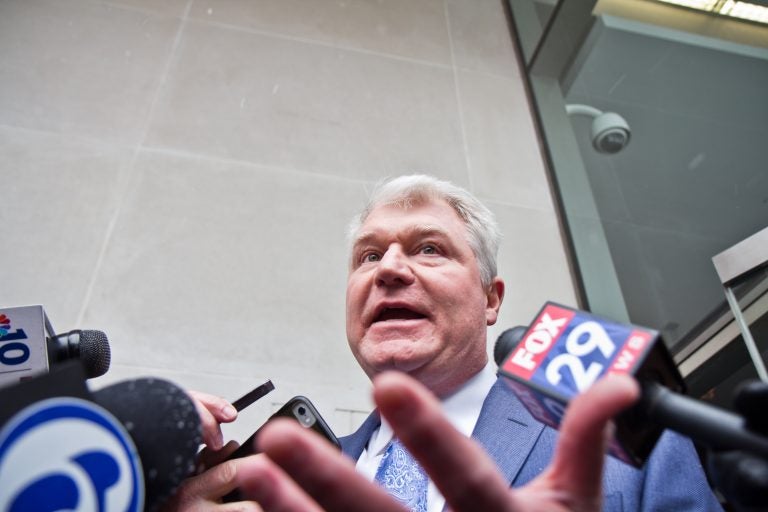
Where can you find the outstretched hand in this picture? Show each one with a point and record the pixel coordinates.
(304, 473)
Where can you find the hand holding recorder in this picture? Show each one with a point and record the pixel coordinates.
(218, 464)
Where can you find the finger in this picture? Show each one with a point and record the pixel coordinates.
(209, 486)
(578, 461)
(207, 458)
(212, 411)
(459, 467)
(204, 505)
(321, 470)
(235, 506)
(222, 410)
(210, 430)
(263, 481)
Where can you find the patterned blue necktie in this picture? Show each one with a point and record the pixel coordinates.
(402, 477)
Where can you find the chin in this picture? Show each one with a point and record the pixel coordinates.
(398, 360)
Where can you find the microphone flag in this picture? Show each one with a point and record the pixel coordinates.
(23, 351)
(61, 451)
(565, 351)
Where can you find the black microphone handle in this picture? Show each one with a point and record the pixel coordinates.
(712, 426)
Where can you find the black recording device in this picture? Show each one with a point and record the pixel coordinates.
(298, 408)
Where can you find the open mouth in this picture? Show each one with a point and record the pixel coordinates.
(388, 314)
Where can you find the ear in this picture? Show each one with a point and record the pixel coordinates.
(494, 296)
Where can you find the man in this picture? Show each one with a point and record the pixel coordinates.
(421, 291)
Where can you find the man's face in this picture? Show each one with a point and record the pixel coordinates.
(415, 301)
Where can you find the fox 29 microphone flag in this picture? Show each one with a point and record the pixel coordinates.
(565, 351)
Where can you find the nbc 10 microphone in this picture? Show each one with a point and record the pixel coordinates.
(29, 346)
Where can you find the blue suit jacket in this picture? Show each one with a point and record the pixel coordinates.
(672, 479)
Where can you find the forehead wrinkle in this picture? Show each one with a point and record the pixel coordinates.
(418, 230)
(424, 230)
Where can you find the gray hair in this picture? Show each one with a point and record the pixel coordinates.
(483, 234)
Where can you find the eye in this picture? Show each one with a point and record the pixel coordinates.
(370, 257)
(428, 249)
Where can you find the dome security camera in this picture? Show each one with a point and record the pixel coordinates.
(610, 131)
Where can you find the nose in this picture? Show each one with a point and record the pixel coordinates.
(393, 268)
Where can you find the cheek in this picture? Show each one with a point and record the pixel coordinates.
(355, 302)
(461, 298)
(465, 311)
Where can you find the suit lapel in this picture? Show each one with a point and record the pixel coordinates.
(506, 430)
(352, 445)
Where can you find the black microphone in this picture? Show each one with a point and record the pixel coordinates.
(163, 422)
(125, 447)
(506, 343)
(709, 425)
(61, 451)
(91, 347)
(29, 346)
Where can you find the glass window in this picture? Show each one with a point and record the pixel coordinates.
(655, 118)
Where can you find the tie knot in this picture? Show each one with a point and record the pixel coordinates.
(402, 477)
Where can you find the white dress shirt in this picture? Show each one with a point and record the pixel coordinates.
(461, 408)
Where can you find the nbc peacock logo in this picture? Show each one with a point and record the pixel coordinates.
(5, 325)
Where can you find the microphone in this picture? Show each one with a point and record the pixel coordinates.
(62, 447)
(163, 422)
(29, 346)
(61, 451)
(506, 343)
(568, 350)
(711, 426)
(91, 347)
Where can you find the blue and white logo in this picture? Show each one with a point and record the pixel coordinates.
(65, 453)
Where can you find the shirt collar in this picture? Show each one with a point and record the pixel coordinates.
(462, 408)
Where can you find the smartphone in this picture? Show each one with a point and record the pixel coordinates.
(298, 408)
